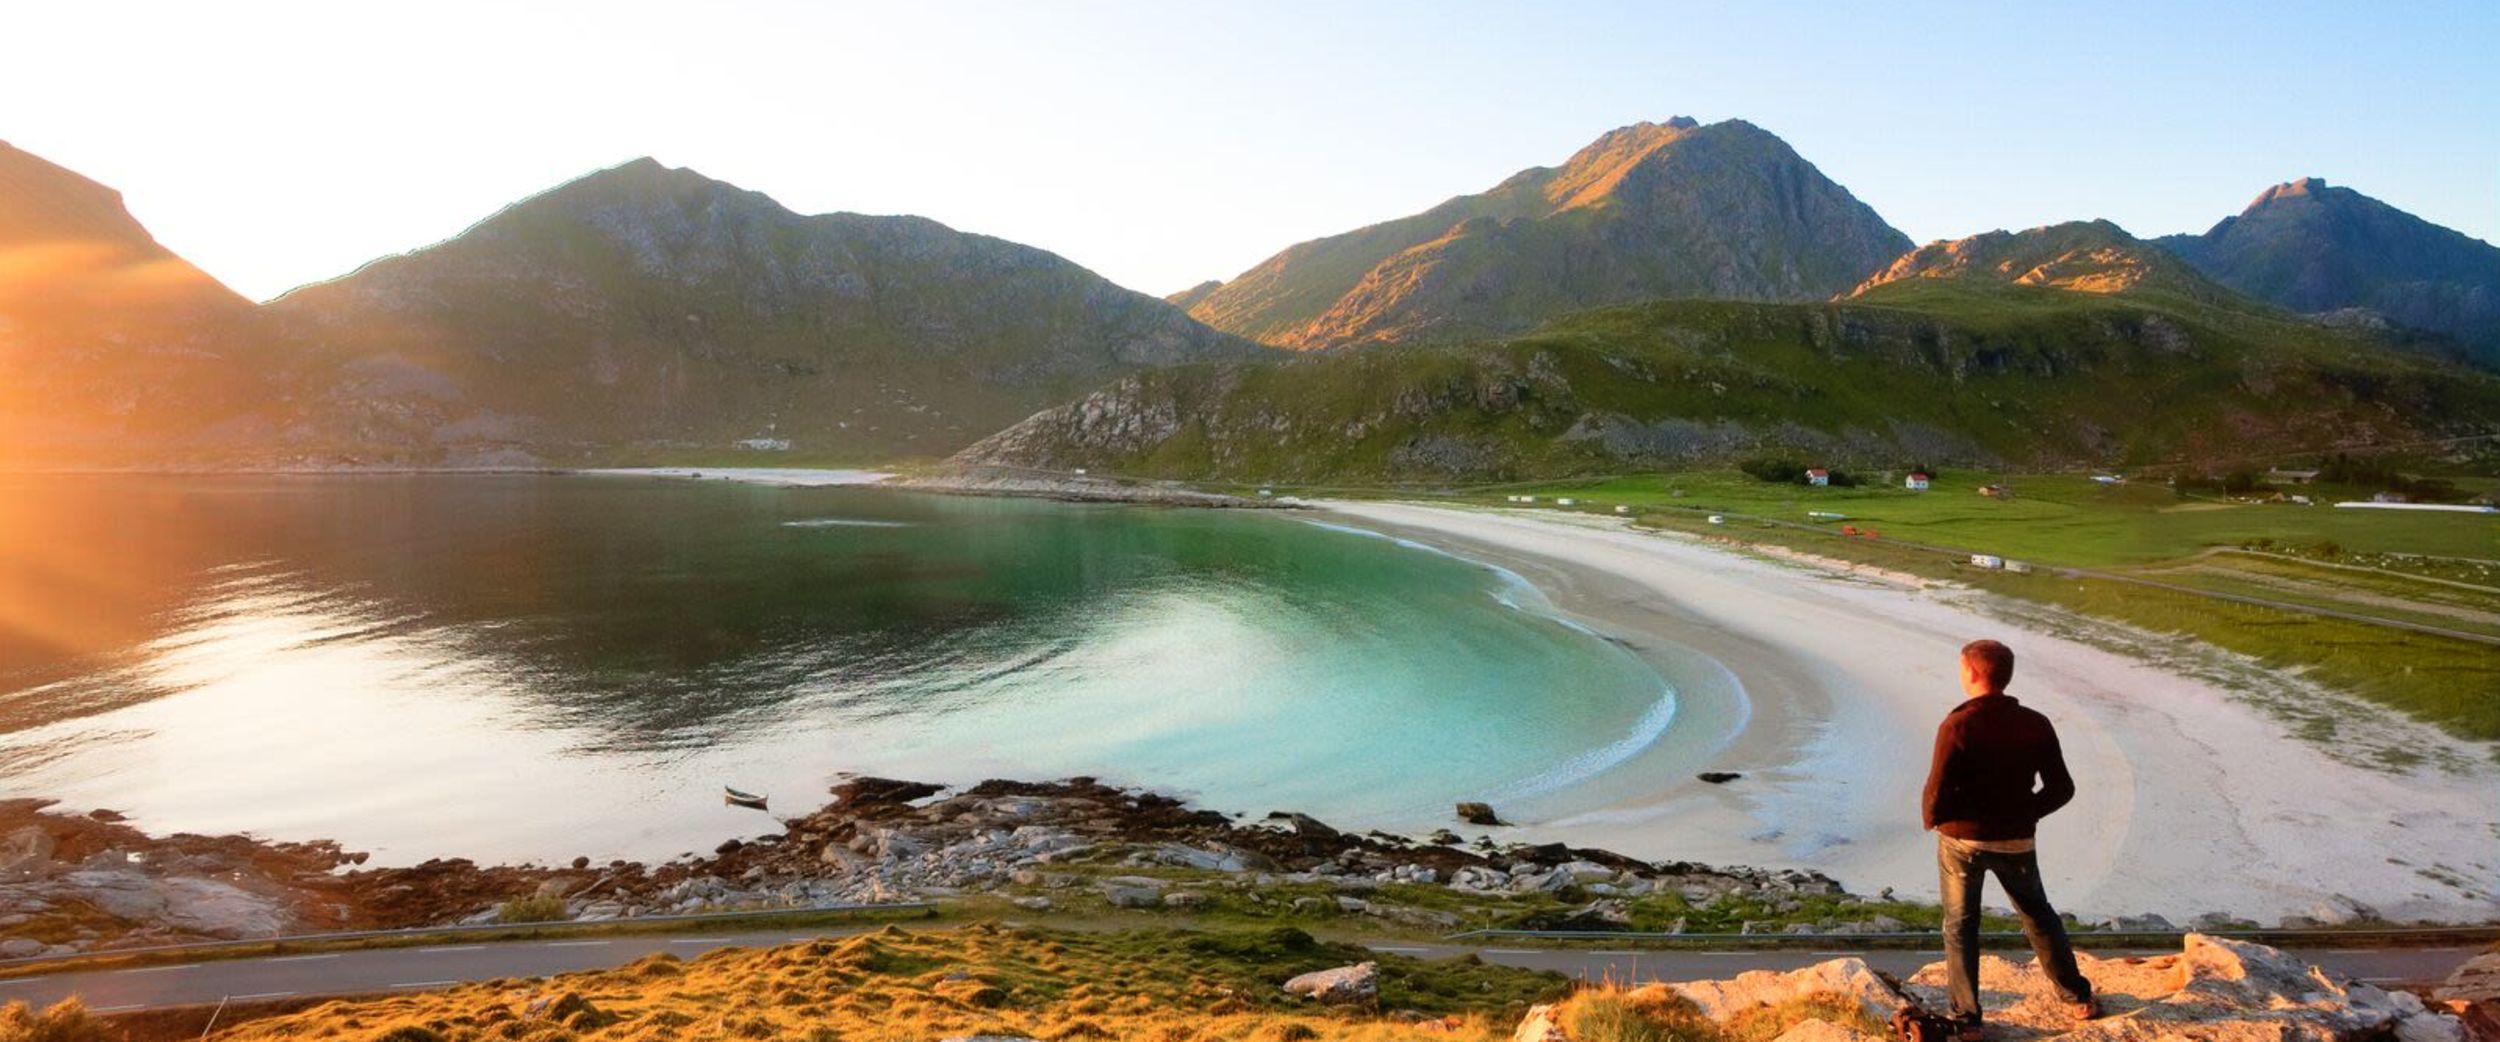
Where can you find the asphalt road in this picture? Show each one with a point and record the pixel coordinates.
(389, 970)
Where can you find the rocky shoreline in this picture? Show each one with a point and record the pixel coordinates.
(72, 883)
(76, 883)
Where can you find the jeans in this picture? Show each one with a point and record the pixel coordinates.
(1959, 868)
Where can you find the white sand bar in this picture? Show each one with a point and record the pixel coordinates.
(786, 477)
(2193, 799)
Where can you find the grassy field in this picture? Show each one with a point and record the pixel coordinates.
(2430, 568)
(982, 979)
(2065, 519)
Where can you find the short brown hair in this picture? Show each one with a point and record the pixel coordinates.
(1994, 659)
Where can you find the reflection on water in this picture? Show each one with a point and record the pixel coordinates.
(544, 667)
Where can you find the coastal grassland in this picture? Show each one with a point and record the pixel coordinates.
(2055, 519)
(1330, 908)
(980, 979)
(2427, 568)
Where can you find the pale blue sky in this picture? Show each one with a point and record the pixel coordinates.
(1165, 143)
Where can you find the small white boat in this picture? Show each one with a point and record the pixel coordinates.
(737, 798)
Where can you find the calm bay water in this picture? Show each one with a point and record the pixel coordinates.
(539, 667)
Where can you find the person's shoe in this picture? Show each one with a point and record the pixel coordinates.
(1969, 1031)
(2088, 1009)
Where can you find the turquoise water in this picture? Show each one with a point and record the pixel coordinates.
(540, 667)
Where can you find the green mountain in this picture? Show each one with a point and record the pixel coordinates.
(2067, 346)
(1651, 210)
(642, 310)
(116, 350)
(2316, 248)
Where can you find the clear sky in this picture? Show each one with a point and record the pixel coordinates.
(1162, 143)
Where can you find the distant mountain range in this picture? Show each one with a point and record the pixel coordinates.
(1672, 209)
(2316, 248)
(1674, 293)
(2074, 345)
(636, 313)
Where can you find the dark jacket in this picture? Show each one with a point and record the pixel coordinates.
(1989, 750)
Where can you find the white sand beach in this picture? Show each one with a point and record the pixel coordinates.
(778, 477)
(2193, 799)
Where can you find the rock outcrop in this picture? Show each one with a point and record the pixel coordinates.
(2214, 990)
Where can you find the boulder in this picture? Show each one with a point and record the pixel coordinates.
(1851, 977)
(1540, 1026)
(1478, 814)
(2472, 993)
(1354, 985)
(20, 948)
(1132, 896)
(1718, 777)
(25, 852)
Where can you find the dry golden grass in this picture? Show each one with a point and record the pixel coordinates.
(902, 986)
(66, 1021)
(1655, 1013)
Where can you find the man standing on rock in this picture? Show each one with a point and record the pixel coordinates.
(1981, 802)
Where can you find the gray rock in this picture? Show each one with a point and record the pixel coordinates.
(1132, 896)
(20, 948)
(25, 852)
(1358, 984)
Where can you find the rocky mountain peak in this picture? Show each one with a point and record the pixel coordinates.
(1648, 210)
(2289, 190)
(2317, 248)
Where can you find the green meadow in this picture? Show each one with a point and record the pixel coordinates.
(2437, 569)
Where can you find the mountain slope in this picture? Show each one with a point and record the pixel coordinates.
(2064, 346)
(2313, 247)
(115, 349)
(1650, 210)
(2078, 256)
(655, 309)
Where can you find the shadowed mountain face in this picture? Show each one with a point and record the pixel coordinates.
(653, 307)
(114, 349)
(2054, 347)
(1651, 210)
(2313, 247)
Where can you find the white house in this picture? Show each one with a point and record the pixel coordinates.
(1566, 501)
(1915, 483)
(1987, 560)
(1818, 476)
